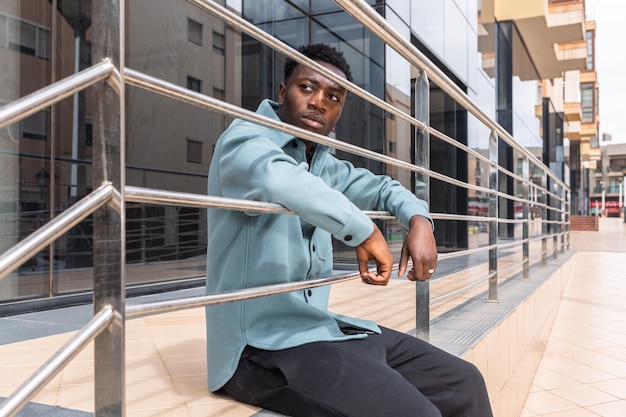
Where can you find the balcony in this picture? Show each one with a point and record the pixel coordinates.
(572, 108)
(553, 34)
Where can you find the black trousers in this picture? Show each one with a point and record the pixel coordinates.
(386, 375)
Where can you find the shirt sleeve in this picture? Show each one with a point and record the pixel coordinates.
(375, 192)
(252, 166)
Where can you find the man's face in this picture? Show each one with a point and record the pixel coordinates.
(311, 101)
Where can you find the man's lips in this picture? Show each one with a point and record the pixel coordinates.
(313, 121)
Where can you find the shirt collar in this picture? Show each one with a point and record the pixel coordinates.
(269, 108)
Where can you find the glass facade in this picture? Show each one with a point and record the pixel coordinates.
(45, 160)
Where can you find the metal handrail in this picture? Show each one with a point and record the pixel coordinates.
(146, 309)
(16, 256)
(107, 193)
(99, 322)
(422, 62)
(53, 93)
(171, 90)
(223, 13)
(367, 15)
(451, 294)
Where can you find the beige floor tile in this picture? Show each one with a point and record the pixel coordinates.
(615, 387)
(27, 355)
(544, 402)
(559, 346)
(186, 365)
(176, 333)
(152, 394)
(579, 412)
(48, 395)
(224, 409)
(77, 373)
(145, 368)
(589, 357)
(556, 362)
(164, 320)
(584, 395)
(195, 391)
(612, 409)
(169, 347)
(615, 351)
(15, 375)
(548, 380)
(615, 338)
(527, 413)
(617, 368)
(140, 348)
(77, 397)
(160, 412)
(586, 374)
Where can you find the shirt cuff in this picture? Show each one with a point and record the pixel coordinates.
(359, 228)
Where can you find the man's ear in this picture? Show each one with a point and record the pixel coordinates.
(281, 93)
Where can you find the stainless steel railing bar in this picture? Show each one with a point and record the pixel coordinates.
(510, 244)
(171, 90)
(468, 217)
(450, 255)
(512, 221)
(147, 309)
(175, 198)
(99, 322)
(53, 93)
(533, 258)
(156, 85)
(517, 265)
(14, 257)
(452, 294)
(153, 196)
(167, 89)
(221, 12)
(368, 16)
(259, 34)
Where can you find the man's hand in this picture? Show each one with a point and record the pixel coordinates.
(421, 247)
(375, 248)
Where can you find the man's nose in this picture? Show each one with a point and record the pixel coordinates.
(317, 100)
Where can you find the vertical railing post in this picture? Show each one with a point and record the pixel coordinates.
(562, 219)
(544, 219)
(422, 190)
(493, 213)
(109, 221)
(556, 209)
(526, 216)
(568, 208)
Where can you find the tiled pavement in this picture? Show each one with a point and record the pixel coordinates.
(582, 373)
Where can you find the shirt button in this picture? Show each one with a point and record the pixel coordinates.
(313, 248)
(348, 238)
(309, 293)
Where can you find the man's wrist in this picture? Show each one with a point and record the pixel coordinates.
(419, 221)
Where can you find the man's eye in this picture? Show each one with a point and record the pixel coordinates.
(333, 97)
(307, 87)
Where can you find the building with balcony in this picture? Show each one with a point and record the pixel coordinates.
(501, 54)
(607, 185)
(570, 108)
(520, 62)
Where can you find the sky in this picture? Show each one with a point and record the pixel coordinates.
(610, 65)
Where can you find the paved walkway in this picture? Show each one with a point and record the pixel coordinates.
(582, 373)
(583, 369)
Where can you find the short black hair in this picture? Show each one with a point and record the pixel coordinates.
(323, 53)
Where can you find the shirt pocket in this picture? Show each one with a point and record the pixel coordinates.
(321, 245)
